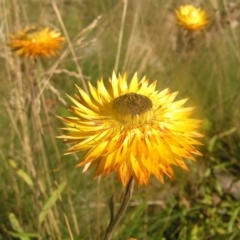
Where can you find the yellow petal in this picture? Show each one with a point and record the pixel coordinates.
(134, 84)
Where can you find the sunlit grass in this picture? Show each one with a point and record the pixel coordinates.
(200, 204)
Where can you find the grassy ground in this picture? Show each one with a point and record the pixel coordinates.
(200, 204)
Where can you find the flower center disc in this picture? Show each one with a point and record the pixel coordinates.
(132, 108)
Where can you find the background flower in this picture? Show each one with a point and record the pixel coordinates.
(191, 18)
(36, 42)
(132, 129)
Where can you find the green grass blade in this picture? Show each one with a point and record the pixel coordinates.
(23, 235)
(51, 201)
(17, 227)
(21, 173)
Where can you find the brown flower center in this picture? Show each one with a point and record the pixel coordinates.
(132, 109)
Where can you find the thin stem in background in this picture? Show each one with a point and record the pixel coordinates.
(70, 46)
(115, 220)
(125, 3)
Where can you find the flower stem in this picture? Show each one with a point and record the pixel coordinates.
(115, 220)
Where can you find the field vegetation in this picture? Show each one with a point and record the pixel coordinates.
(42, 195)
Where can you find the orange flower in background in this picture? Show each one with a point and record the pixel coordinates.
(191, 18)
(131, 129)
(36, 42)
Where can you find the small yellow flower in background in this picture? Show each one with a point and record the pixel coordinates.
(36, 42)
(191, 18)
(132, 129)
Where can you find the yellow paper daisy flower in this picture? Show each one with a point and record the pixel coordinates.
(36, 42)
(191, 18)
(132, 129)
